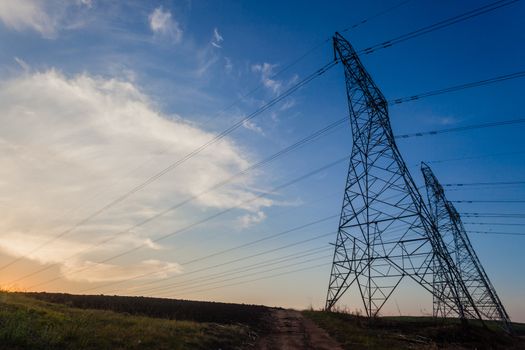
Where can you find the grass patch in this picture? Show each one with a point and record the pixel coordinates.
(27, 323)
(356, 332)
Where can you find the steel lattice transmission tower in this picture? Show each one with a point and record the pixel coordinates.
(385, 234)
(450, 226)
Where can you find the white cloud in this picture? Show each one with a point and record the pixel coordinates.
(162, 23)
(248, 124)
(69, 145)
(22, 15)
(266, 71)
(217, 39)
(252, 219)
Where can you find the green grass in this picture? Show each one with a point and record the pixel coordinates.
(392, 333)
(27, 323)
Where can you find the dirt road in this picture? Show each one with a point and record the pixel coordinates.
(291, 331)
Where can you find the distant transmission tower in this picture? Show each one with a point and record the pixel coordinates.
(451, 228)
(385, 233)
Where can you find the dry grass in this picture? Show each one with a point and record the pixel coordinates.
(27, 323)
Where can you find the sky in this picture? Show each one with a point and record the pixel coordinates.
(100, 100)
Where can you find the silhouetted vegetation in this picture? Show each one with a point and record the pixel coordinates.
(357, 332)
(198, 311)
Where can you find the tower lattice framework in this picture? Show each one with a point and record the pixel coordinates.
(448, 221)
(385, 234)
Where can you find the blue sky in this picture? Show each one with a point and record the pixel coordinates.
(99, 96)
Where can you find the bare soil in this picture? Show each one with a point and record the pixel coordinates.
(289, 330)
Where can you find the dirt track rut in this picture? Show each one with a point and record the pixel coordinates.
(291, 331)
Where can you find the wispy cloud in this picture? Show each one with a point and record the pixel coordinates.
(217, 39)
(252, 219)
(47, 18)
(162, 23)
(248, 124)
(266, 71)
(287, 104)
(23, 15)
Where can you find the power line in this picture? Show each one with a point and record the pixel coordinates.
(176, 284)
(220, 213)
(220, 264)
(493, 80)
(485, 183)
(207, 283)
(221, 286)
(259, 265)
(493, 215)
(381, 13)
(194, 260)
(315, 48)
(209, 218)
(492, 223)
(462, 128)
(262, 278)
(264, 263)
(257, 279)
(487, 201)
(474, 157)
(244, 245)
(439, 25)
(221, 252)
(231, 261)
(498, 233)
